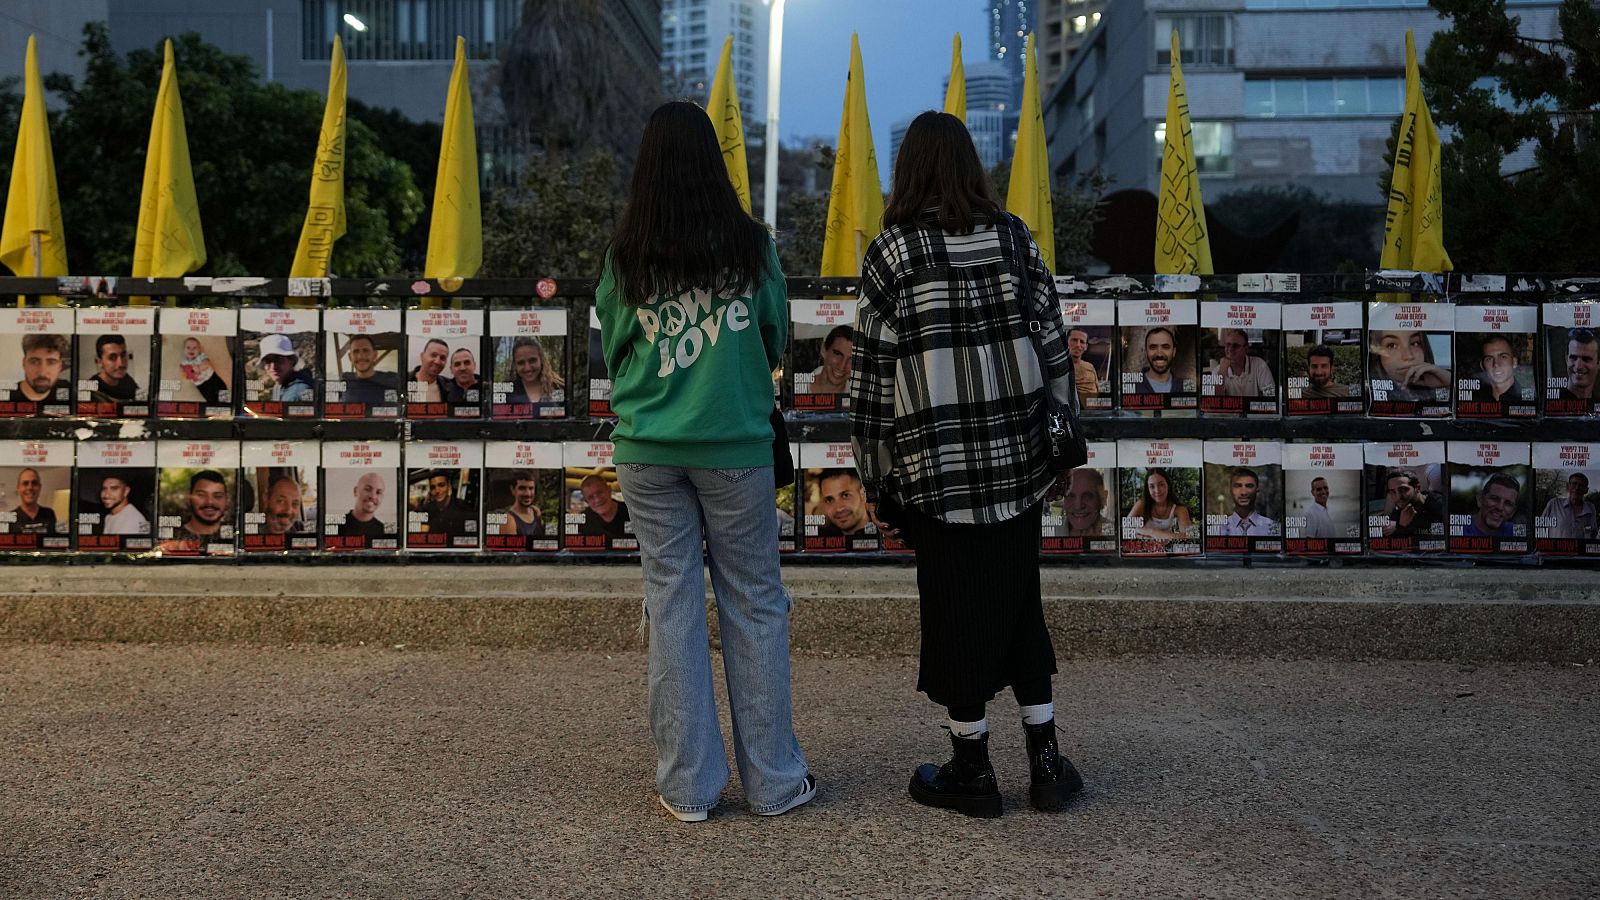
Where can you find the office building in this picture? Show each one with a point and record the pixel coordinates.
(1281, 92)
(1009, 24)
(1063, 26)
(991, 113)
(399, 52)
(692, 33)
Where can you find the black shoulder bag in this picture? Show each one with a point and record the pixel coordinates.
(1063, 434)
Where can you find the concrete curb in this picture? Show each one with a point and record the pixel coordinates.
(1399, 613)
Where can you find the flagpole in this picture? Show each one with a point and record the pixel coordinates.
(769, 196)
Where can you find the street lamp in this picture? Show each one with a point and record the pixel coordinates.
(769, 200)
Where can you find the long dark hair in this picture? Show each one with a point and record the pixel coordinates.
(938, 168)
(683, 227)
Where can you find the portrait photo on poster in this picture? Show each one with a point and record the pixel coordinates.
(1566, 498)
(36, 368)
(1405, 495)
(522, 509)
(1092, 340)
(1240, 346)
(1572, 360)
(1409, 360)
(1491, 508)
(196, 360)
(822, 341)
(361, 509)
(596, 515)
(114, 362)
(1324, 359)
(363, 350)
(1243, 497)
(1323, 510)
(1080, 512)
(1496, 376)
(528, 377)
(278, 354)
(195, 510)
(1158, 366)
(36, 511)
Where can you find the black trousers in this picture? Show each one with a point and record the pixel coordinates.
(982, 623)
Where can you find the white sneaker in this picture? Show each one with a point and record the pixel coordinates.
(680, 815)
(800, 799)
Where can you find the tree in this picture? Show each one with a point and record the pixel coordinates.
(1494, 92)
(251, 146)
(555, 220)
(416, 144)
(1076, 212)
(603, 109)
(1333, 235)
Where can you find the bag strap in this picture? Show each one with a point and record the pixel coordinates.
(1029, 316)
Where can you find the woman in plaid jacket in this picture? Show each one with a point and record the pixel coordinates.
(947, 424)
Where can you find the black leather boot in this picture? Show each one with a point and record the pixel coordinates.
(1055, 779)
(965, 784)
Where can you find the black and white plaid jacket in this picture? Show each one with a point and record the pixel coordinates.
(947, 392)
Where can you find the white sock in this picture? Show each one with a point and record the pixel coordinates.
(970, 730)
(1038, 714)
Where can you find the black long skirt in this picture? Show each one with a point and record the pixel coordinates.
(982, 623)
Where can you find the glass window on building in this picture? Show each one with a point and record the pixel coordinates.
(1350, 96)
(1320, 98)
(1258, 98)
(407, 29)
(1213, 146)
(1203, 40)
(1323, 97)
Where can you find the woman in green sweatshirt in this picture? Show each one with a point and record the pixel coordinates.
(693, 318)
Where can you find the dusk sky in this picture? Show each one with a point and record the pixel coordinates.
(905, 50)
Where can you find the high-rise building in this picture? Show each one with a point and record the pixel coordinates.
(1063, 25)
(990, 86)
(1281, 92)
(991, 113)
(992, 94)
(692, 32)
(1009, 24)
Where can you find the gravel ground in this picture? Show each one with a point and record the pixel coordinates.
(333, 771)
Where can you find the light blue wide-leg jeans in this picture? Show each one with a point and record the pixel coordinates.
(672, 510)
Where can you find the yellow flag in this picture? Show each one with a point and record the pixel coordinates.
(455, 233)
(168, 243)
(1028, 195)
(723, 108)
(1183, 244)
(1413, 228)
(955, 93)
(855, 202)
(325, 216)
(33, 208)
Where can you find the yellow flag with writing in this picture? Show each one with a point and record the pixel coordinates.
(723, 108)
(955, 92)
(455, 232)
(1028, 195)
(1183, 243)
(33, 207)
(855, 202)
(1413, 227)
(325, 216)
(168, 242)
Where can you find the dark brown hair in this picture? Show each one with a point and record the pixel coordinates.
(684, 227)
(938, 169)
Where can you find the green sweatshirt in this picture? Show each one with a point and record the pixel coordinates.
(692, 375)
